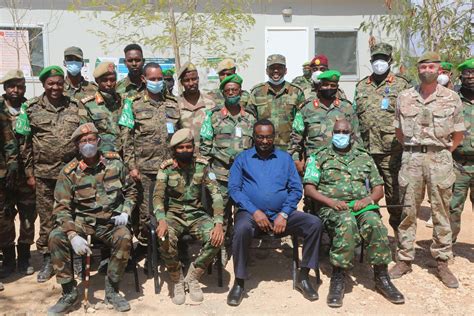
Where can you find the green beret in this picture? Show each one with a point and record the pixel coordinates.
(382, 49)
(104, 68)
(429, 57)
(12, 74)
(187, 67)
(467, 64)
(168, 72)
(84, 129)
(183, 135)
(446, 66)
(50, 71)
(232, 78)
(330, 75)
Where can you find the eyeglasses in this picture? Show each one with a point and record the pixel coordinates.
(88, 141)
(262, 137)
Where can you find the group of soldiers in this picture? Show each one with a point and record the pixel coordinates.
(105, 158)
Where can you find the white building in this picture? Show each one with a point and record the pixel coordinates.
(297, 29)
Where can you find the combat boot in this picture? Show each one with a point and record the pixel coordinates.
(179, 296)
(192, 280)
(113, 296)
(9, 262)
(337, 287)
(384, 285)
(445, 275)
(399, 269)
(24, 255)
(46, 271)
(67, 302)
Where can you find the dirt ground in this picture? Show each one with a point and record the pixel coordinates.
(269, 291)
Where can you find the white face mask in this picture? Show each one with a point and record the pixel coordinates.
(443, 79)
(380, 66)
(276, 83)
(88, 150)
(315, 75)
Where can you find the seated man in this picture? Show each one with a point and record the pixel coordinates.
(336, 175)
(178, 208)
(94, 196)
(266, 188)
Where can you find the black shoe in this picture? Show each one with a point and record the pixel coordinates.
(235, 296)
(24, 255)
(336, 288)
(384, 285)
(68, 300)
(46, 271)
(9, 262)
(113, 296)
(305, 288)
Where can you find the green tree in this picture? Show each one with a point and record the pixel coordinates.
(191, 29)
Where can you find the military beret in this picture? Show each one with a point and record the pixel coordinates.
(467, 64)
(429, 57)
(168, 72)
(330, 75)
(12, 74)
(232, 78)
(225, 64)
(74, 51)
(307, 64)
(276, 59)
(50, 71)
(446, 66)
(320, 60)
(84, 129)
(187, 67)
(183, 135)
(104, 68)
(382, 49)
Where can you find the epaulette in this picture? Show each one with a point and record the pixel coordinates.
(403, 77)
(257, 86)
(202, 160)
(74, 100)
(111, 155)
(361, 149)
(70, 167)
(165, 164)
(295, 86)
(171, 97)
(362, 80)
(32, 101)
(87, 99)
(345, 100)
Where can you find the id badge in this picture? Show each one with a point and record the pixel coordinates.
(170, 127)
(238, 131)
(384, 104)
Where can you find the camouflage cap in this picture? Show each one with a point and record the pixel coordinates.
(429, 57)
(232, 78)
(183, 135)
(104, 68)
(74, 51)
(225, 64)
(382, 49)
(187, 67)
(330, 75)
(467, 64)
(276, 59)
(84, 129)
(50, 71)
(12, 74)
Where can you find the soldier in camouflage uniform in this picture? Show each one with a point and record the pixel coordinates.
(319, 64)
(446, 75)
(169, 81)
(336, 175)
(20, 197)
(430, 125)
(155, 119)
(94, 195)
(304, 81)
(132, 83)
(178, 209)
(192, 103)
(48, 122)
(375, 101)
(103, 107)
(75, 86)
(464, 154)
(277, 100)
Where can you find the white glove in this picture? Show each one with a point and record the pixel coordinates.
(80, 245)
(121, 219)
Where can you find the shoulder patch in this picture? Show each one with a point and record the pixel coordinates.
(87, 99)
(202, 160)
(111, 155)
(362, 80)
(70, 167)
(165, 164)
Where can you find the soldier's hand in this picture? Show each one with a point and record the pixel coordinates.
(217, 235)
(135, 174)
(339, 205)
(31, 182)
(279, 225)
(162, 229)
(262, 221)
(360, 204)
(299, 167)
(80, 246)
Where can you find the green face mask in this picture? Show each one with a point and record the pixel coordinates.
(232, 101)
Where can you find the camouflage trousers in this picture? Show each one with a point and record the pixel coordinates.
(389, 166)
(44, 207)
(346, 232)
(118, 238)
(144, 208)
(464, 183)
(200, 229)
(433, 171)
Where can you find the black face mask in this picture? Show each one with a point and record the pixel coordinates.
(185, 157)
(328, 93)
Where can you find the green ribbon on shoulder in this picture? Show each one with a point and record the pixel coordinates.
(22, 125)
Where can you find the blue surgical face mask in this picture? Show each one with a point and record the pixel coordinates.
(74, 67)
(276, 83)
(341, 141)
(155, 87)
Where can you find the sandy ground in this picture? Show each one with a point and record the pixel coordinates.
(269, 291)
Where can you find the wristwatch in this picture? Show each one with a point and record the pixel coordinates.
(284, 215)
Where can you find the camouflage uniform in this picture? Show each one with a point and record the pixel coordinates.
(378, 134)
(427, 125)
(47, 149)
(85, 200)
(126, 88)
(306, 84)
(22, 197)
(146, 147)
(343, 177)
(104, 110)
(279, 107)
(192, 116)
(311, 93)
(463, 155)
(177, 198)
(218, 98)
(85, 89)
